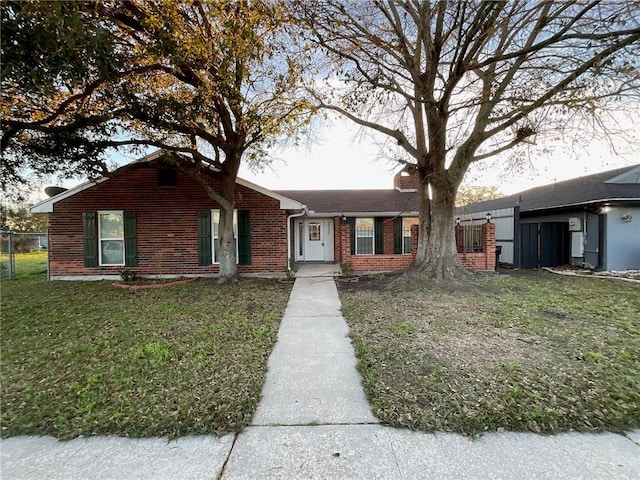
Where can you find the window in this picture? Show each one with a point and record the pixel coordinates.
(314, 232)
(111, 238)
(364, 236)
(215, 219)
(407, 223)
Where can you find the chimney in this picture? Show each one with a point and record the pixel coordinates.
(405, 182)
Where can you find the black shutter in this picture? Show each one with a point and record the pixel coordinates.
(244, 238)
(204, 237)
(397, 236)
(90, 239)
(130, 240)
(378, 234)
(351, 221)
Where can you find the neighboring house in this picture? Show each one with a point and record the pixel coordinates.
(592, 221)
(156, 221)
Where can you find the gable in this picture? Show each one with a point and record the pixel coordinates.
(46, 206)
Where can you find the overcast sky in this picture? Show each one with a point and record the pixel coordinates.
(341, 158)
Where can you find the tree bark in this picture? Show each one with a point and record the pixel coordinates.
(437, 255)
(226, 239)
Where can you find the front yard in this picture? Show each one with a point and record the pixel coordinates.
(526, 351)
(84, 358)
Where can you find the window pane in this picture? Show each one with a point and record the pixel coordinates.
(215, 218)
(111, 225)
(407, 245)
(364, 246)
(112, 252)
(364, 236)
(314, 232)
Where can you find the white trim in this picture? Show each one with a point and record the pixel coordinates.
(46, 206)
(363, 214)
(101, 239)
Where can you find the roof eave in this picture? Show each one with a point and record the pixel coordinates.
(580, 204)
(46, 206)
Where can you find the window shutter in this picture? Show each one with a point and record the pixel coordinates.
(244, 238)
(397, 236)
(204, 237)
(378, 234)
(351, 221)
(130, 239)
(90, 239)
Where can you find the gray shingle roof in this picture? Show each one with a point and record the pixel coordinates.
(355, 201)
(577, 191)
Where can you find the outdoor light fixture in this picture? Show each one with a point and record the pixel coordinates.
(626, 218)
(457, 221)
(488, 217)
(344, 217)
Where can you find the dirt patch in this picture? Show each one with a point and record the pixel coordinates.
(148, 284)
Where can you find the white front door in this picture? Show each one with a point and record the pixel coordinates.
(314, 240)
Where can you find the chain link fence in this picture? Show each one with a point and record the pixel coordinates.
(12, 243)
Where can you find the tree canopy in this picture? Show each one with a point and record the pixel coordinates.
(452, 83)
(211, 83)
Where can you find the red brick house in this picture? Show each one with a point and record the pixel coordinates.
(155, 221)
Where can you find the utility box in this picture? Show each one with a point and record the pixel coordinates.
(577, 244)
(575, 224)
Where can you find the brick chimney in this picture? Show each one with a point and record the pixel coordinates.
(405, 182)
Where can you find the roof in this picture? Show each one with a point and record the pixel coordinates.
(621, 184)
(356, 202)
(46, 206)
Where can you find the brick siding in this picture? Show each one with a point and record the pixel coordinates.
(166, 219)
(390, 262)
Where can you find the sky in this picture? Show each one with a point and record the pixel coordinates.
(342, 157)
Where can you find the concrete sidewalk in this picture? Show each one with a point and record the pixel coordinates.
(314, 422)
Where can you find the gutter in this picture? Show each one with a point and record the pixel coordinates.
(304, 212)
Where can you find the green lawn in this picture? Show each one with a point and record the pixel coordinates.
(26, 264)
(530, 352)
(84, 358)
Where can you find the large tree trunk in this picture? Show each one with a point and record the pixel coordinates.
(437, 255)
(226, 238)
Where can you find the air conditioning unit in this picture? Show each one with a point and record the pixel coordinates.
(575, 224)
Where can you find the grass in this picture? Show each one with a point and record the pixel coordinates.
(85, 358)
(27, 264)
(527, 352)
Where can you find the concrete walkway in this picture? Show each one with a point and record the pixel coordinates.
(314, 422)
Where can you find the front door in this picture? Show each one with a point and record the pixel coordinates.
(314, 241)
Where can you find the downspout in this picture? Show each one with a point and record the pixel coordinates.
(303, 212)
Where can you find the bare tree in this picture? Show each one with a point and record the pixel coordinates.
(456, 82)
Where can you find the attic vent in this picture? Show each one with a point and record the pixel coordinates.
(167, 177)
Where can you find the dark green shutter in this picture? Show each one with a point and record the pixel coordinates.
(204, 237)
(378, 233)
(130, 240)
(90, 239)
(397, 236)
(244, 238)
(351, 221)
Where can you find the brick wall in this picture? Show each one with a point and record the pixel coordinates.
(390, 262)
(166, 227)
(485, 260)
